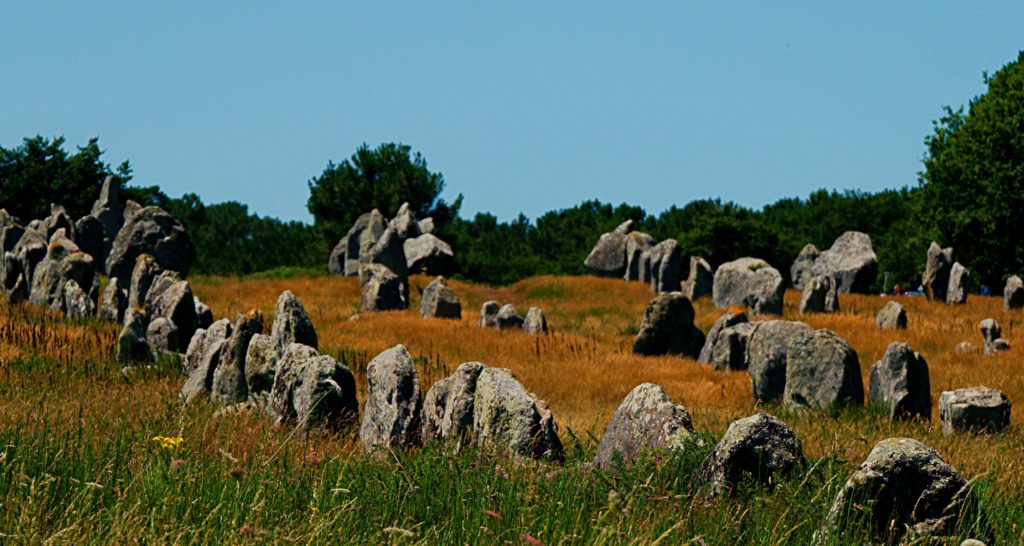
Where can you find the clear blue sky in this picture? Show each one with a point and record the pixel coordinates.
(523, 108)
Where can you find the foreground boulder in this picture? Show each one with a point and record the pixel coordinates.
(448, 406)
(701, 279)
(429, 254)
(608, 257)
(647, 420)
(535, 323)
(891, 317)
(312, 390)
(800, 272)
(260, 364)
(767, 349)
(440, 301)
(667, 328)
(900, 384)
(936, 271)
(901, 485)
(152, 231)
(1013, 293)
(759, 447)
(751, 282)
(956, 292)
(820, 295)
(851, 261)
(510, 420)
(822, 371)
(731, 317)
(392, 410)
(974, 409)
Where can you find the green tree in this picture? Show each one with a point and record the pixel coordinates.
(40, 171)
(972, 186)
(381, 178)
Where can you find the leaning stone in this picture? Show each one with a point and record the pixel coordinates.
(448, 406)
(508, 419)
(731, 317)
(131, 342)
(440, 301)
(1013, 293)
(800, 272)
(162, 335)
(668, 329)
(292, 323)
(429, 254)
(230, 385)
(508, 318)
(730, 350)
(891, 317)
(535, 323)
(155, 232)
(820, 296)
(312, 390)
(404, 223)
(900, 384)
(936, 271)
(760, 447)
(382, 291)
(393, 402)
(142, 277)
(608, 257)
(64, 261)
(701, 279)
(822, 371)
(766, 357)
(489, 314)
(956, 294)
(114, 302)
(975, 409)
(260, 363)
(851, 261)
(647, 420)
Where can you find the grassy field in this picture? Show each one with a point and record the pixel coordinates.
(78, 463)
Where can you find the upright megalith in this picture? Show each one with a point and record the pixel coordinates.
(700, 280)
(510, 420)
(647, 420)
(489, 314)
(448, 406)
(292, 323)
(900, 385)
(311, 390)
(956, 292)
(382, 289)
(114, 301)
(63, 261)
(731, 317)
(109, 210)
(759, 447)
(800, 271)
(608, 257)
(730, 350)
(171, 298)
(152, 231)
(822, 371)
(891, 317)
(636, 244)
(820, 295)
(131, 342)
(851, 261)
(974, 409)
(991, 335)
(936, 271)
(767, 349)
(440, 301)
(666, 267)
(750, 282)
(1013, 293)
(535, 323)
(142, 276)
(230, 384)
(508, 318)
(391, 416)
(260, 364)
(668, 329)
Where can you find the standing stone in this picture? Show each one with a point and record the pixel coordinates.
(510, 420)
(489, 314)
(18, 292)
(434, 405)
(851, 261)
(991, 335)
(822, 371)
(114, 302)
(974, 409)
(936, 272)
(767, 350)
(608, 257)
(155, 232)
(730, 350)
(142, 276)
(891, 317)
(131, 342)
(800, 272)
(535, 323)
(701, 279)
(647, 420)
(508, 318)
(1013, 293)
(667, 273)
(260, 363)
(448, 406)
(110, 213)
(956, 293)
(162, 335)
(171, 298)
(336, 260)
(636, 244)
(387, 251)
(902, 483)
(429, 254)
(760, 447)
(348, 254)
(291, 323)
(203, 348)
(204, 315)
(229, 379)
(312, 390)
(404, 223)
(751, 282)
(64, 261)
(89, 238)
(382, 291)
(76, 304)
(440, 301)
(668, 329)
(644, 266)
(731, 317)
(376, 225)
(30, 249)
(393, 402)
(900, 385)
(820, 296)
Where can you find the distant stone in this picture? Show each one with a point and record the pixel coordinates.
(900, 384)
(822, 371)
(429, 254)
(427, 225)
(731, 317)
(964, 347)
(204, 316)
(974, 409)
(625, 228)
(162, 335)
(646, 421)
(142, 276)
(956, 293)
(370, 224)
(448, 406)
(440, 301)
(759, 447)
(171, 298)
(382, 291)
(820, 295)
(312, 390)
(644, 266)
(508, 318)
(701, 280)
(392, 410)
(751, 282)
(336, 260)
(851, 261)
(110, 213)
(131, 342)
(76, 304)
(114, 301)
(510, 420)
(891, 317)
(730, 350)
(767, 350)
(489, 314)
(404, 223)
(636, 244)
(292, 323)
(64, 261)
(89, 238)
(1013, 293)
(668, 329)
(991, 335)
(260, 363)
(800, 272)
(936, 271)
(535, 323)
(151, 231)
(608, 257)
(667, 267)
(230, 385)
(388, 252)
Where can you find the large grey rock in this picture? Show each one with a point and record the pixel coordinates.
(291, 323)
(900, 385)
(142, 276)
(936, 271)
(822, 371)
(440, 301)
(751, 282)
(647, 420)
(376, 225)
(901, 484)
(800, 271)
(312, 390)
(489, 314)
(89, 238)
(448, 406)
(383, 290)
(535, 323)
(162, 335)
(75, 303)
(131, 341)
(30, 249)
(508, 318)
(1013, 293)
(204, 347)
(404, 223)
(63, 262)
(668, 328)
(766, 357)
(851, 261)
(369, 227)
(59, 219)
(155, 232)
(114, 301)
(230, 385)
(759, 447)
(393, 402)
(510, 420)
(426, 225)
(975, 409)
(644, 266)
(956, 293)
(336, 260)
(260, 363)
(730, 318)
(608, 257)
(636, 244)
(891, 317)
(820, 295)
(109, 211)
(701, 279)
(171, 298)
(388, 252)
(667, 270)
(429, 254)
(730, 350)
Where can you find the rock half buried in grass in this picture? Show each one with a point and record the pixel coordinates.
(448, 406)
(647, 420)
(730, 318)
(822, 371)
(891, 317)
(667, 328)
(900, 384)
(974, 409)
(759, 447)
(440, 301)
(312, 390)
(392, 410)
(510, 420)
(535, 323)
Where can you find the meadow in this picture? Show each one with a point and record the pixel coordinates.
(79, 463)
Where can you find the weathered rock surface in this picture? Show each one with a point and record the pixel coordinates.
(991, 335)
(667, 267)
(489, 314)
(851, 261)
(766, 357)
(404, 223)
(204, 315)
(260, 363)
(701, 279)
(429, 254)
(508, 318)
(535, 323)
(900, 383)
(822, 371)
(936, 271)
(393, 402)
(730, 350)
(759, 447)
(202, 358)
(230, 385)
(291, 323)
(608, 257)
(976, 409)
(109, 211)
(800, 271)
(388, 252)
(63, 262)
(151, 231)
(647, 420)
(440, 301)
(956, 293)
(891, 317)
(1013, 293)
(383, 290)
(448, 406)
(312, 390)
(162, 335)
(142, 277)
(668, 328)
(131, 342)
(636, 244)
(75, 303)
(171, 298)
(89, 238)
(820, 295)
(114, 301)
(751, 282)
(508, 419)
(731, 317)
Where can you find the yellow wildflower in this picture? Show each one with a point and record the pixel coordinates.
(168, 442)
